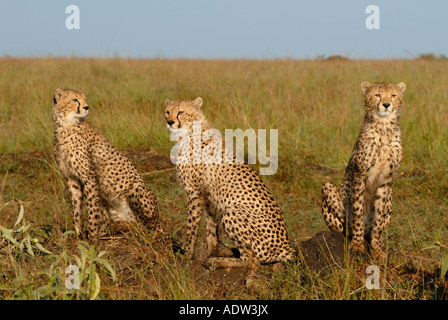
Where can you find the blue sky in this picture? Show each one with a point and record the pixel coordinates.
(224, 29)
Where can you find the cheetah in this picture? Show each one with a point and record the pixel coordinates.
(229, 195)
(115, 192)
(362, 207)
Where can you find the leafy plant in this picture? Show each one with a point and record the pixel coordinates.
(444, 266)
(444, 260)
(76, 276)
(88, 263)
(20, 236)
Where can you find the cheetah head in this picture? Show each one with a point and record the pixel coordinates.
(70, 106)
(180, 114)
(382, 99)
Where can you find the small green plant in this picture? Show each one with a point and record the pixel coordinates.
(438, 244)
(76, 276)
(20, 236)
(444, 266)
(89, 262)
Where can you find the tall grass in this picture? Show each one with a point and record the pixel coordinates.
(316, 105)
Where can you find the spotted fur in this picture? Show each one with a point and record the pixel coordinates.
(362, 207)
(231, 195)
(116, 194)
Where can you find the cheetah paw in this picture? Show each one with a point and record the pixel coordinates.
(379, 254)
(357, 248)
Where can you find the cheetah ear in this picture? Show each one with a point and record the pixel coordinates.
(197, 102)
(167, 102)
(401, 86)
(57, 95)
(365, 86)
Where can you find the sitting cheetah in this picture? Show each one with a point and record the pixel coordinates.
(229, 195)
(116, 193)
(362, 207)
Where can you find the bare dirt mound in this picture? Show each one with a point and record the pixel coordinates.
(323, 250)
(219, 283)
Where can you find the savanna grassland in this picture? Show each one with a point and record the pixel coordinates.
(317, 107)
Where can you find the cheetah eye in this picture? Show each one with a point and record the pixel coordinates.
(75, 100)
(378, 95)
(180, 113)
(167, 113)
(393, 96)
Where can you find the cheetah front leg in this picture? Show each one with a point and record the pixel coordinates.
(86, 174)
(382, 210)
(91, 189)
(357, 210)
(196, 208)
(333, 208)
(75, 189)
(212, 235)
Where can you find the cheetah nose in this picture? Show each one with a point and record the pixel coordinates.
(86, 108)
(386, 105)
(170, 122)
